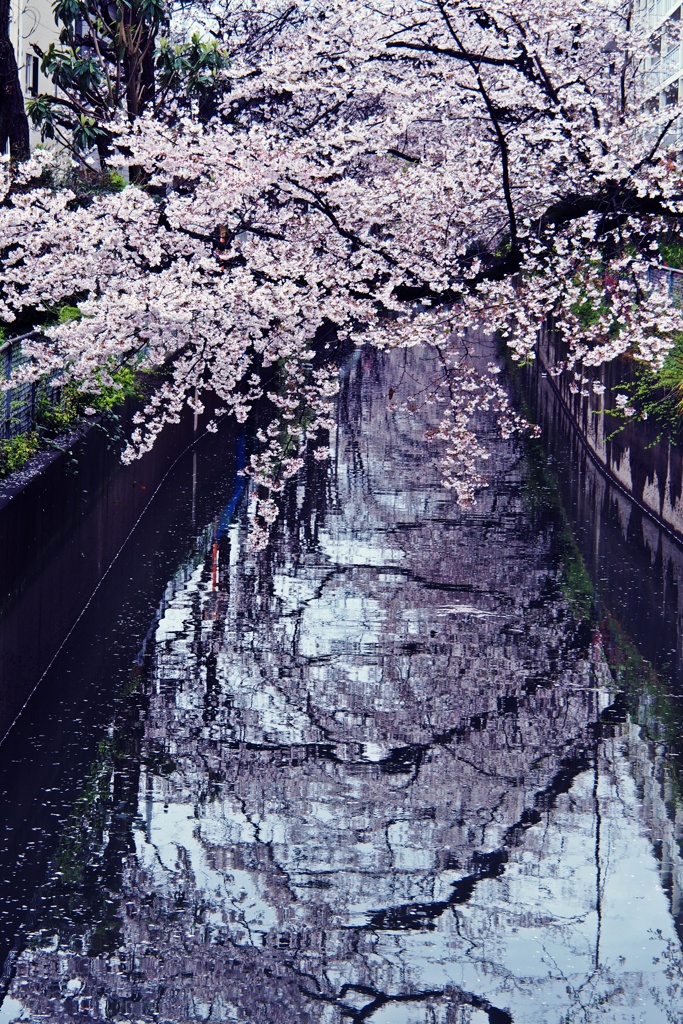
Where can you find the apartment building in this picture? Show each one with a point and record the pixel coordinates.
(32, 21)
(663, 71)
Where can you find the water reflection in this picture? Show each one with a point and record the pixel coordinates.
(376, 772)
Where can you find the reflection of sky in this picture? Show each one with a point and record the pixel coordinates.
(531, 937)
(368, 743)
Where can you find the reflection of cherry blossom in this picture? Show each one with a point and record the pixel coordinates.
(382, 766)
(465, 393)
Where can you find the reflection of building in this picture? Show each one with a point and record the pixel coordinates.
(32, 21)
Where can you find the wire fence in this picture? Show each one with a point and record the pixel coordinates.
(672, 279)
(18, 405)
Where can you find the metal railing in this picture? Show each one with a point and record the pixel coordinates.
(18, 404)
(653, 12)
(663, 70)
(672, 278)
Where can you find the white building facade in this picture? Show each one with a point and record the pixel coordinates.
(32, 21)
(662, 74)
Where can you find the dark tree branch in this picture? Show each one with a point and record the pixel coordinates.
(444, 51)
(660, 138)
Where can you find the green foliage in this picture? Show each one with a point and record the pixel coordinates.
(42, 112)
(117, 181)
(114, 386)
(671, 250)
(593, 305)
(16, 451)
(588, 313)
(87, 133)
(111, 58)
(67, 68)
(193, 66)
(86, 182)
(56, 415)
(65, 314)
(657, 394)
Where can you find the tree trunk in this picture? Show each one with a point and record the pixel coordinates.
(148, 80)
(139, 68)
(13, 119)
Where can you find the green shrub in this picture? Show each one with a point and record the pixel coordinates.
(58, 412)
(56, 417)
(16, 451)
(587, 313)
(117, 181)
(124, 384)
(658, 394)
(671, 250)
(65, 314)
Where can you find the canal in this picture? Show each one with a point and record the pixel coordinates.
(410, 764)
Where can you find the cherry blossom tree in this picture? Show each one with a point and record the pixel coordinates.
(404, 173)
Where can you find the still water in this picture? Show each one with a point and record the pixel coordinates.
(401, 767)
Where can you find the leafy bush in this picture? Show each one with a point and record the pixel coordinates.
(588, 313)
(16, 451)
(115, 386)
(65, 314)
(55, 415)
(658, 394)
(671, 250)
(117, 181)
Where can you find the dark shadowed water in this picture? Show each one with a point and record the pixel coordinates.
(405, 766)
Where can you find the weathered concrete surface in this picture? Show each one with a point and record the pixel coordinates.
(649, 470)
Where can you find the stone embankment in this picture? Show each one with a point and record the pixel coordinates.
(644, 465)
(637, 460)
(621, 489)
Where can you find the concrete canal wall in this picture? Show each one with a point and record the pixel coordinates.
(622, 496)
(62, 526)
(648, 469)
(621, 492)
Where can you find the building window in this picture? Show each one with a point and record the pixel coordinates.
(32, 68)
(671, 95)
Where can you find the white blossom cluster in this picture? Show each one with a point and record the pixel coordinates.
(371, 163)
(466, 394)
(305, 404)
